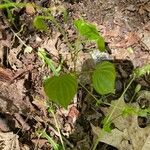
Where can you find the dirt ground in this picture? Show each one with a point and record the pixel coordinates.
(125, 26)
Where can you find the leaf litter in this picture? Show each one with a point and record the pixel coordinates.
(26, 95)
(127, 134)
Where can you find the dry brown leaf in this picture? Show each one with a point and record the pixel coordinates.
(41, 104)
(9, 141)
(73, 113)
(146, 39)
(50, 44)
(113, 33)
(127, 134)
(5, 74)
(30, 10)
(131, 39)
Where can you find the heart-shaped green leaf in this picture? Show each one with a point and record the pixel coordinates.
(86, 29)
(104, 78)
(61, 89)
(90, 32)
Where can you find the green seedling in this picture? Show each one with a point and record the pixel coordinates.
(127, 110)
(49, 62)
(90, 33)
(50, 140)
(39, 23)
(62, 87)
(142, 71)
(51, 111)
(56, 87)
(9, 4)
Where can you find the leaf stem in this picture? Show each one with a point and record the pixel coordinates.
(98, 100)
(112, 112)
(57, 126)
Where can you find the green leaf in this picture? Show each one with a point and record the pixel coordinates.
(61, 89)
(142, 71)
(90, 32)
(11, 5)
(86, 29)
(39, 23)
(144, 112)
(104, 78)
(107, 125)
(101, 44)
(49, 62)
(138, 88)
(50, 140)
(128, 110)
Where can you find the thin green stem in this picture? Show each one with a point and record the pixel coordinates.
(98, 100)
(112, 112)
(133, 78)
(58, 129)
(51, 141)
(97, 141)
(76, 51)
(132, 97)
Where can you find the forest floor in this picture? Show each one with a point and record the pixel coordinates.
(125, 26)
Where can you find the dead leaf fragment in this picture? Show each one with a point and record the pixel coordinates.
(73, 113)
(127, 134)
(146, 146)
(146, 40)
(30, 10)
(5, 74)
(9, 141)
(131, 38)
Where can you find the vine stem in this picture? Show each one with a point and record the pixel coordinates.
(98, 100)
(15, 34)
(58, 129)
(112, 112)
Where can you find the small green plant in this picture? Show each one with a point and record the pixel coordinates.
(90, 32)
(39, 23)
(127, 109)
(61, 89)
(51, 141)
(49, 62)
(62, 86)
(9, 4)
